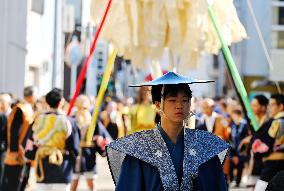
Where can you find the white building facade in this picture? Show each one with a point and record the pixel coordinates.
(13, 21)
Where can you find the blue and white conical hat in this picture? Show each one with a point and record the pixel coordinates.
(172, 78)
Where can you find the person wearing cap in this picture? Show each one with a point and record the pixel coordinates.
(170, 156)
(19, 122)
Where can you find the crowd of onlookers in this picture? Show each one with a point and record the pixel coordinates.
(256, 158)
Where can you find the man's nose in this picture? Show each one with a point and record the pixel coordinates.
(179, 105)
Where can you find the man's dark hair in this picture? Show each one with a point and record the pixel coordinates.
(54, 97)
(261, 99)
(29, 91)
(279, 98)
(170, 90)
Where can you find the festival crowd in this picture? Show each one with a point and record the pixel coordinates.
(44, 149)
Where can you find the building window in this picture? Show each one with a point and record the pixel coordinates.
(277, 24)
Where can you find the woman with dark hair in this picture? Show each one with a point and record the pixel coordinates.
(170, 156)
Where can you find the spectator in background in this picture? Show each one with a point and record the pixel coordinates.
(86, 161)
(109, 119)
(221, 107)
(5, 110)
(271, 145)
(40, 106)
(211, 121)
(54, 144)
(214, 123)
(5, 104)
(259, 107)
(122, 119)
(18, 125)
(239, 130)
(231, 105)
(143, 113)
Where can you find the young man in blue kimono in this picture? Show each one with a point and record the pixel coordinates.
(169, 157)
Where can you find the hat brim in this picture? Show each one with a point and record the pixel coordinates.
(171, 78)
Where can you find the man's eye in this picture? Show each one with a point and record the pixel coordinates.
(185, 100)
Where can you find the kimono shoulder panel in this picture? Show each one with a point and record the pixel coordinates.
(149, 146)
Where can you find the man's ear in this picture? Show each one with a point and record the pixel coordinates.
(158, 104)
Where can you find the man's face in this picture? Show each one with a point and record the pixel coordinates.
(4, 103)
(236, 118)
(5, 107)
(146, 94)
(31, 99)
(256, 107)
(207, 109)
(274, 108)
(177, 107)
(2, 107)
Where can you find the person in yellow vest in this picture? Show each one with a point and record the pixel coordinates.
(142, 114)
(54, 145)
(18, 124)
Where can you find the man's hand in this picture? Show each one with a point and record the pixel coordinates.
(102, 142)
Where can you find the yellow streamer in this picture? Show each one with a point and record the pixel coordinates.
(101, 96)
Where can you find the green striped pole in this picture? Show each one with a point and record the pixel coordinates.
(232, 66)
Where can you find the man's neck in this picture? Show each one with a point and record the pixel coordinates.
(54, 110)
(238, 121)
(146, 102)
(172, 129)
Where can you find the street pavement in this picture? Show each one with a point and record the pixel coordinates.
(104, 181)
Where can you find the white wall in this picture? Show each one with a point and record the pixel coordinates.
(13, 19)
(253, 60)
(40, 45)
